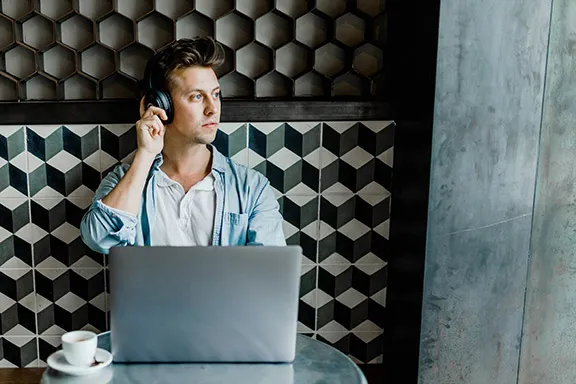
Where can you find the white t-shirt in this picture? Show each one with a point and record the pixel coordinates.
(183, 219)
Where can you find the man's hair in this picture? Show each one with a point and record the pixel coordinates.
(185, 53)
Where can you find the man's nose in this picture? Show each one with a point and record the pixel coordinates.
(211, 106)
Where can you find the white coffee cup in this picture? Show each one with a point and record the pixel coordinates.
(80, 347)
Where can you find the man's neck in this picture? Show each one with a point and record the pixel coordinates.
(186, 164)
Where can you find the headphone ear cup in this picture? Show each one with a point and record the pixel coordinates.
(161, 100)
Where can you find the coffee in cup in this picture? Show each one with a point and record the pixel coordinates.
(80, 347)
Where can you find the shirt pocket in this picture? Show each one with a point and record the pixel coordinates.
(234, 228)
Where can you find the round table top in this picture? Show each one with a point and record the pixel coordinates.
(316, 362)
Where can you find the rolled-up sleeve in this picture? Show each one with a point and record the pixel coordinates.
(265, 222)
(104, 227)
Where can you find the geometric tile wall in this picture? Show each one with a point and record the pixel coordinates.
(332, 180)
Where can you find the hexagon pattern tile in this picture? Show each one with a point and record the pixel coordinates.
(332, 181)
(92, 50)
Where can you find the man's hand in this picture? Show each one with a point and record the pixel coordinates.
(150, 129)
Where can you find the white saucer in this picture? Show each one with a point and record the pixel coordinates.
(58, 362)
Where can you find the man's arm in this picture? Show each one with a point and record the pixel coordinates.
(111, 220)
(265, 222)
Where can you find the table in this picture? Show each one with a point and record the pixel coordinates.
(315, 362)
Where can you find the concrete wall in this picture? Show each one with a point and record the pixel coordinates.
(549, 341)
(489, 90)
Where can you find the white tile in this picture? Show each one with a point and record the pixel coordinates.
(289, 229)
(6, 364)
(42, 303)
(301, 328)
(4, 234)
(335, 269)
(300, 200)
(302, 189)
(44, 130)
(313, 157)
(367, 336)
(387, 157)
(241, 157)
(310, 298)
(383, 229)
(373, 200)
(337, 189)
(311, 230)
(254, 159)
(354, 229)
(370, 269)
(33, 162)
(335, 258)
(284, 159)
(11, 192)
(18, 330)
(374, 189)
(337, 200)
(303, 127)
(21, 162)
(380, 297)
(5, 302)
(94, 160)
(99, 301)
(50, 263)
(322, 298)
(377, 126)
(326, 157)
(370, 258)
(88, 273)
(3, 162)
(15, 274)
(63, 161)
(70, 302)
(367, 326)
(333, 327)
(351, 298)
(19, 341)
(266, 128)
(14, 263)
(325, 230)
(54, 341)
(357, 157)
(106, 161)
(118, 129)
(14, 203)
(339, 126)
(9, 130)
(31, 233)
(81, 130)
(86, 262)
(54, 330)
(51, 273)
(229, 128)
(80, 196)
(48, 192)
(29, 302)
(66, 232)
(47, 203)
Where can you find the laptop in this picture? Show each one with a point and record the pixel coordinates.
(204, 304)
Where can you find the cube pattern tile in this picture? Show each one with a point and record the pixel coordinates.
(332, 181)
(72, 50)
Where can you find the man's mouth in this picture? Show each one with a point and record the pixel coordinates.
(210, 125)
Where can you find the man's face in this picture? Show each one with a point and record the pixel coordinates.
(195, 94)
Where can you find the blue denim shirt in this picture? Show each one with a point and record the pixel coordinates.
(247, 212)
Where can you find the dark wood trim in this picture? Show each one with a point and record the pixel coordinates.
(126, 111)
(410, 71)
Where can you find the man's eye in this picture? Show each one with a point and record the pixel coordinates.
(216, 95)
(197, 97)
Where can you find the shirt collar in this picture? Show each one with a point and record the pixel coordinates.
(218, 160)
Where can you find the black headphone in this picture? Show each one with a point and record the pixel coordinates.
(154, 92)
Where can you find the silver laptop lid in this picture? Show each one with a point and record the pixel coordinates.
(204, 304)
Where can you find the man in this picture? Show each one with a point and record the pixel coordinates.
(179, 190)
